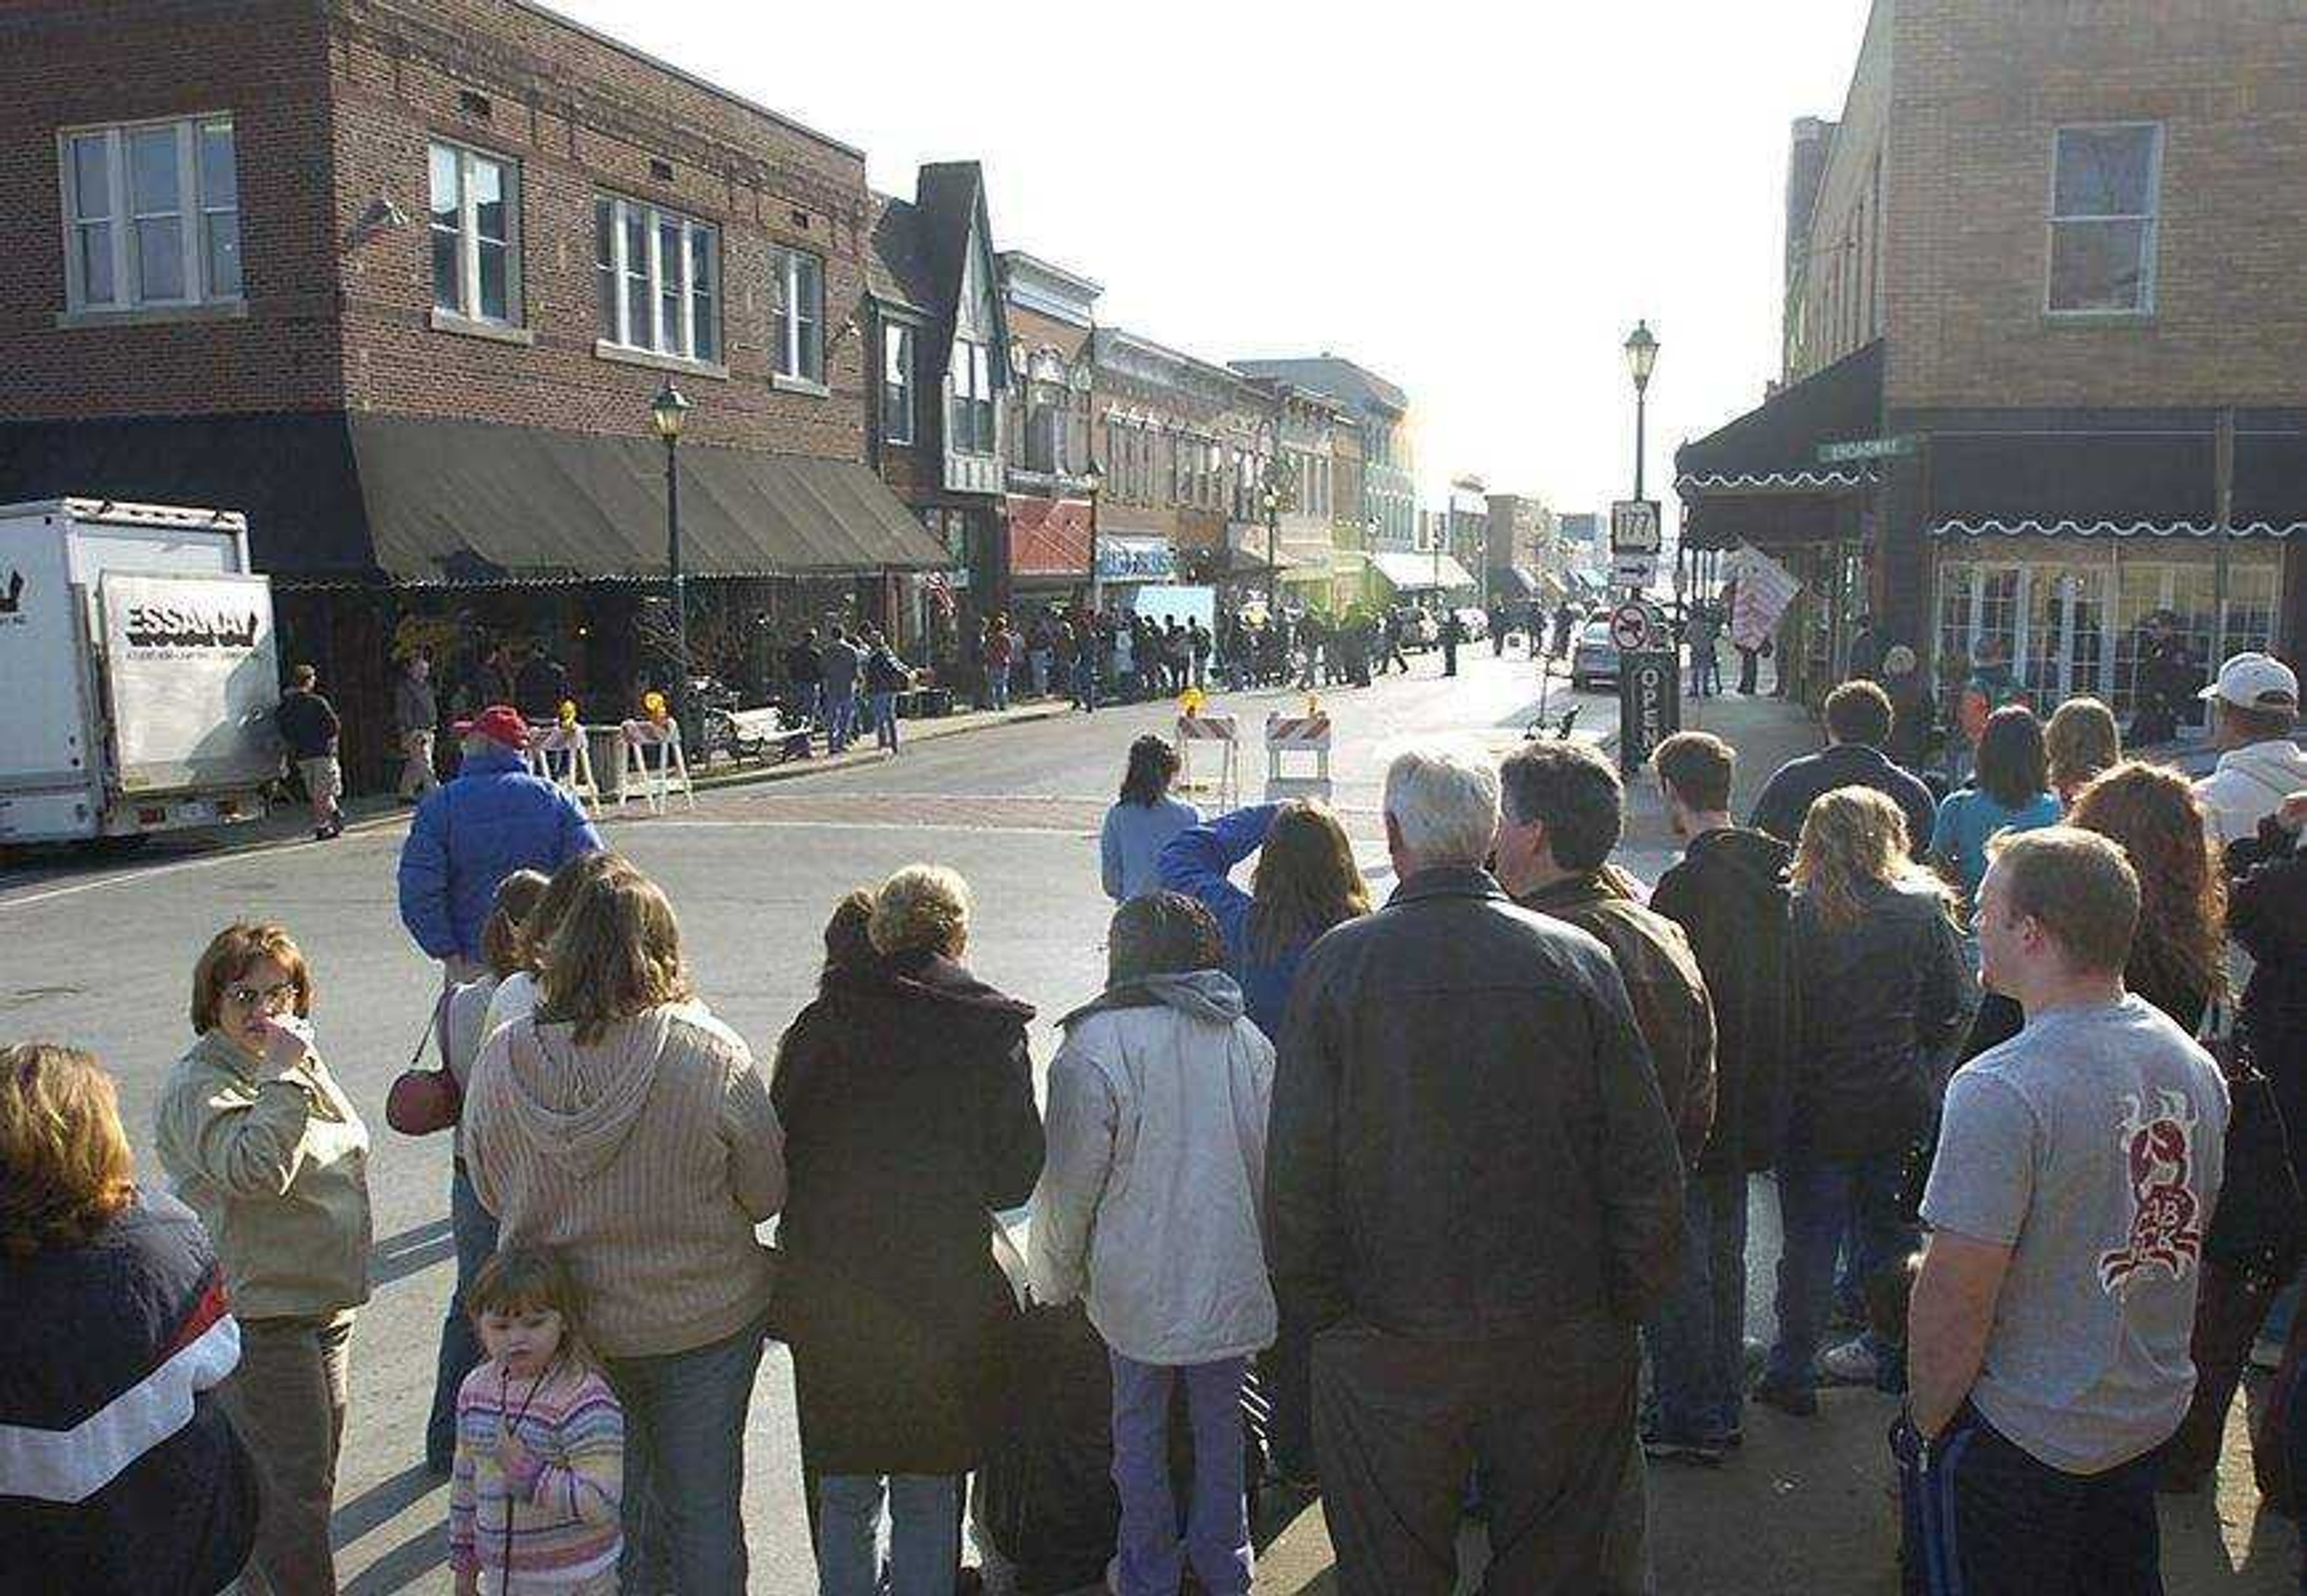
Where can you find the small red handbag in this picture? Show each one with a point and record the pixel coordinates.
(424, 1101)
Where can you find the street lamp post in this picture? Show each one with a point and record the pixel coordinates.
(667, 410)
(1273, 501)
(1642, 358)
(1092, 481)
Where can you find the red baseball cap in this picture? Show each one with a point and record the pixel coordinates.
(500, 723)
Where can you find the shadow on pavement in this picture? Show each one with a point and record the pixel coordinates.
(381, 1503)
(404, 1565)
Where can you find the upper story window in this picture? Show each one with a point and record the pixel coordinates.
(897, 383)
(970, 428)
(476, 227)
(657, 280)
(797, 315)
(2106, 192)
(151, 215)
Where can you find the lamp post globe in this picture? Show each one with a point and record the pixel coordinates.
(1642, 355)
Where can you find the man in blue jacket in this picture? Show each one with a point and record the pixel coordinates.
(494, 819)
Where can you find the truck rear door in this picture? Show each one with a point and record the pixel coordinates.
(44, 736)
(194, 675)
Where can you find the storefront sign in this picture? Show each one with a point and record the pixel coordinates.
(1136, 559)
(1650, 704)
(1866, 449)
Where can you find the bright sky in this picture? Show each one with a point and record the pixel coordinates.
(1477, 201)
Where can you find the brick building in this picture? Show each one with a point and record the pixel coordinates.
(1047, 552)
(1389, 486)
(399, 279)
(2042, 288)
(1521, 554)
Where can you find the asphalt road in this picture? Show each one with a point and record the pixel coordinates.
(101, 953)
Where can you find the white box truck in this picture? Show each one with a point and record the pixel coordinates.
(141, 671)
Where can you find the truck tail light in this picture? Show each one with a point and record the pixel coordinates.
(152, 817)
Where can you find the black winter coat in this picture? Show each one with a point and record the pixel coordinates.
(1730, 897)
(122, 1339)
(2266, 916)
(1874, 997)
(1467, 1139)
(907, 1100)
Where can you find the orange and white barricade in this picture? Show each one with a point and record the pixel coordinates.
(656, 768)
(558, 753)
(1299, 737)
(1221, 737)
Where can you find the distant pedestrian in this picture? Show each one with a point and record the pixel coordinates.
(1084, 672)
(124, 1477)
(463, 1027)
(1705, 635)
(842, 663)
(1000, 658)
(494, 817)
(1454, 633)
(1858, 723)
(1914, 709)
(619, 1112)
(537, 1496)
(1142, 822)
(907, 1093)
(2077, 1168)
(1881, 985)
(1473, 1196)
(2254, 706)
(1041, 648)
(1148, 1210)
(886, 676)
(1731, 896)
(2080, 740)
(541, 684)
(1199, 644)
(415, 718)
(2010, 791)
(805, 669)
(308, 724)
(261, 1142)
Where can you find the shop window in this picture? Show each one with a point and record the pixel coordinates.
(2104, 201)
(151, 215)
(475, 213)
(659, 280)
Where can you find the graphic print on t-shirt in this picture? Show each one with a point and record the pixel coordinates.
(2166, 1224)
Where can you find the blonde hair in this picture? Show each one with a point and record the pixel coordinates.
(64, 1165)
(2083, 740)
(617, 954)
(1854, 842)
(922, 908)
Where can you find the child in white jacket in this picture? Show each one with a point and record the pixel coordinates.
(1148, 1210)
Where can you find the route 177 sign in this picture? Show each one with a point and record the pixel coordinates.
(1634, 527)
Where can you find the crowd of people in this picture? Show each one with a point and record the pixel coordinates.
(1458, 1181)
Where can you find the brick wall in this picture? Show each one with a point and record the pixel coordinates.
(128, 60)
(1980, 86)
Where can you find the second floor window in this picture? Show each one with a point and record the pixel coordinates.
(2104, 202)
(152, 215)
(657, 280)
(797, 315)
(970, 428)
(897, 384)
(475, 211)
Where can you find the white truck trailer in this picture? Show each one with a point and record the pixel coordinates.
(140, 670)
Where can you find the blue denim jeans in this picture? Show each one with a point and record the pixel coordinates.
(925, 1535)
(1697, 1338)
(1149, 1556)
(685, 1464)
(1817, 1200)
(1085, 686)
(997, 680)
(475, 1228)
(840, 720)
(884, 708)
(1039, 659)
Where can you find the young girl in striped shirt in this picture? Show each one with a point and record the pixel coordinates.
(535, 1499)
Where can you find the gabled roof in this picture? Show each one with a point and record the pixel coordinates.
(918, 249)
(1334, 376)
(896, 273)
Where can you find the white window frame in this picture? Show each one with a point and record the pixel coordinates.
(900, 352)
(191, 213)
(654, 219)
(468, 233)
(2151, 269)
(785, 260)
(969, 380)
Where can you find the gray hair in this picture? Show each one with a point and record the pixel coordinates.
(1443, 799)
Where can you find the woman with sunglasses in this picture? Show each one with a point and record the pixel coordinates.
(262, 1143)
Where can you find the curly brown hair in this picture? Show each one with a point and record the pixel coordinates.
(2154, 814)
(64, 1165)
(1853, 840)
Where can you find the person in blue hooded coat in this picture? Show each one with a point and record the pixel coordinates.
(472, 832)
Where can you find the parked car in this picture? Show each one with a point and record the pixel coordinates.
(1474, 623)
(1418, 627)
(1595, 659)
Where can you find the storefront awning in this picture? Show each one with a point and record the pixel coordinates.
(2082, 476)
(1420, 573)
(1516, 581)
(355, 500)
(1048, 537)
(1774, 448)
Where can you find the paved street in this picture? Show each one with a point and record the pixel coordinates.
(101, 954)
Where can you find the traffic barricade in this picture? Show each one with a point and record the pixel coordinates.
(656, 768)
(1296, 737)
(1219, 738)
(561, 754)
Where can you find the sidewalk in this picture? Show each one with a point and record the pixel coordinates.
(1766, 733)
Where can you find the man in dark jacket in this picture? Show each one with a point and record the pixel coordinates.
(307, 722)
(1730, 896)
(1473, 1194)
(805, 669)
(492, 819)
(1858, 721)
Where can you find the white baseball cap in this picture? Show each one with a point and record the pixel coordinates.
(2256, 681)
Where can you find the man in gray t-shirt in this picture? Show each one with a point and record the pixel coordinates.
(2077, 1167)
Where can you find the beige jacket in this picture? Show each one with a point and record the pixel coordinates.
(647, 1159)
(277, 1168)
